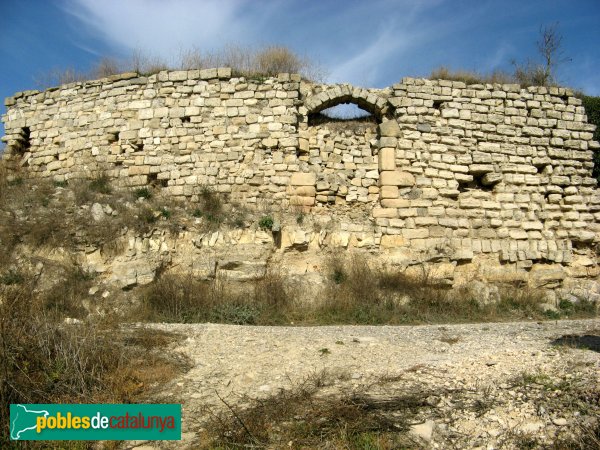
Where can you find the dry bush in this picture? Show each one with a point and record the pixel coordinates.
(352, 294)
(174, 298)
(471, 77)
(183, 298)
(107, 67)
(240, 59)
(306, 419)
(278, 59)
(43, 360)
(360, 294)
(64, 298)
(59, 76)
(530, 74)
(144, 63)
(215, 210)
(244, 61)
(27, 215)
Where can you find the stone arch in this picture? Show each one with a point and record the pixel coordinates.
(344, 93)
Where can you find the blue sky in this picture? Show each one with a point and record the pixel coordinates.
(370, 43)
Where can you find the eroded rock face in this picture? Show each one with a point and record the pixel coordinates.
(302, 255)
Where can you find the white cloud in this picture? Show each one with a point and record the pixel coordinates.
(362, 68)
(401, 32)
(162, 27)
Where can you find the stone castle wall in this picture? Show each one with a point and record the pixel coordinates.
(494, 171)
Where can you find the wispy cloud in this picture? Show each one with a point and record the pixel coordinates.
(498, 57)
(362, 68)
(365, 43)
(162, 28)
(397, 33)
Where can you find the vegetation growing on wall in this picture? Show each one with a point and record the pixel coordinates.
(244, 61)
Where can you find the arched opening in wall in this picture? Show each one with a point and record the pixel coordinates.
(342, 136)
(347, 117)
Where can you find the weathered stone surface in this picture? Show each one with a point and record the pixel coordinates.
(236, 269)
(390, 128)
(389, 192)
(302, 201)
(387, 158)
(97, 212)
(303, 179)
(396, 178)
(547, 275)
(423, 430)
(392, 241)
(491, 178)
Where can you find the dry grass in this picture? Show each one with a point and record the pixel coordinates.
(244, 61)
(472, 77)
(40, 213)
(182, 298)
(525, 74)
(355, 294)
(302, 417)
(43, 360)
(63, 299)
(361, 294)
(322, 411)
(562, 397)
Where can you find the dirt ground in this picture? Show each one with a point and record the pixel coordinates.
(489, 385)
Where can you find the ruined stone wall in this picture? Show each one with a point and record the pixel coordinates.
(448, 172)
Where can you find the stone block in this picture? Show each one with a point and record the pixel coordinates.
(417, 233)
(388, 142)
(297, 200)
(395, 203)
(480, 169)
(546, 275)
(387, 159)
(450, 113)
(389, 213)
(303, 179)
(389, 192)
(139, 170)
(224, 72)
(491, 178)
(178, 75)
(305, 191)
(208, 74)
(389, 128)
(396, 178)
(392, 241)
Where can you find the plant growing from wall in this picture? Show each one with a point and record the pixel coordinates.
(266, 222)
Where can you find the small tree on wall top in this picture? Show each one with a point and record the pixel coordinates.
(549, 46)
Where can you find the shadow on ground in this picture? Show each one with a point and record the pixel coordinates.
(585, 341)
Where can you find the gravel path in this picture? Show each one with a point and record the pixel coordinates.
(257, 361)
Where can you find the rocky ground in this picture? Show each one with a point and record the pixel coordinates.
(501, 385)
